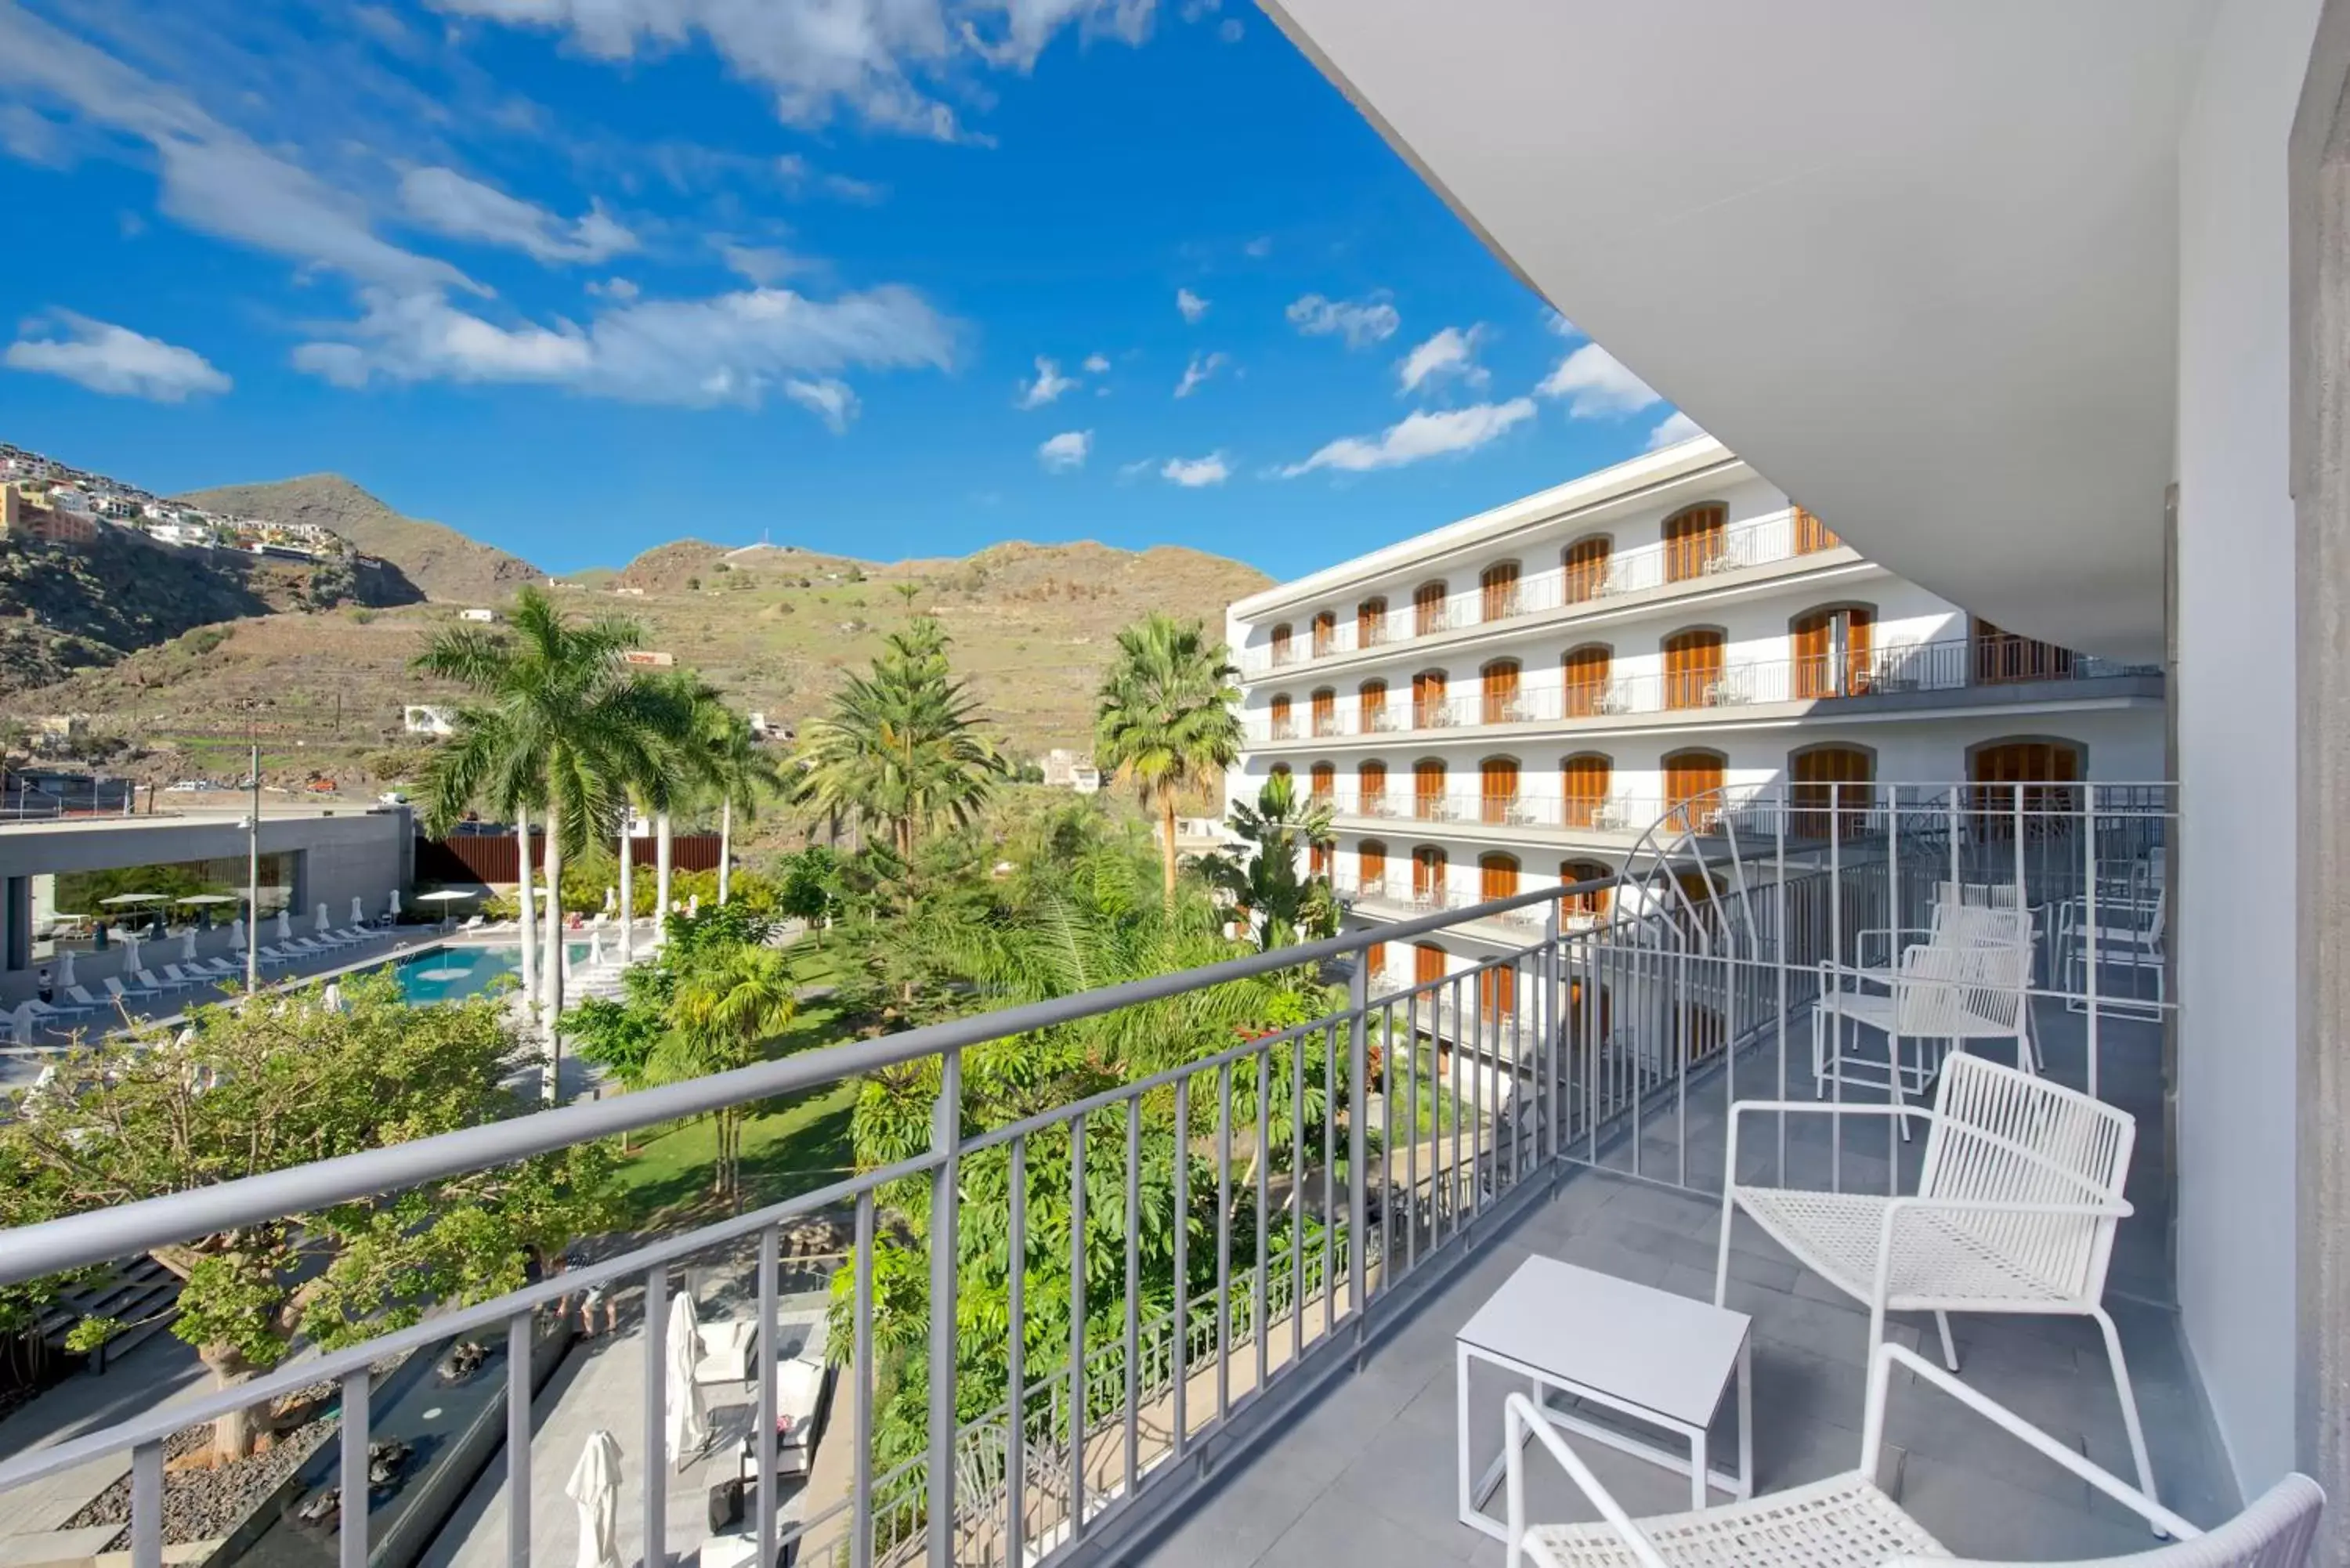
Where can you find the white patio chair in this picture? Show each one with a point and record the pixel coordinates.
(1949, 993)
(121, 993)
(81, 997)
(2127, 934)
(1849, 1521)
(49, 1013)
(1962, 913)
(2018, 1199)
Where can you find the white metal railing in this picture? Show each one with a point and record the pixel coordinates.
(1611, 813)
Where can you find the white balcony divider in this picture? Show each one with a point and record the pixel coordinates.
(1615, 1041)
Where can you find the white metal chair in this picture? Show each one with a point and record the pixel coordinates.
(1949, 993)
(1963, 913)
(2017, 1202)
(1849, 1521)
(2127, 933)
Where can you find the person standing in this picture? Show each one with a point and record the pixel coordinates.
(47, 989)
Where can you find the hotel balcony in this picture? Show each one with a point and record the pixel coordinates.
(1292, 1398)
(1940, 675)
(1766, 547)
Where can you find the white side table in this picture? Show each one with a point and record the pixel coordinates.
(1657, 1358)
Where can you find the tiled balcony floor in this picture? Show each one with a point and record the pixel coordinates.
(1363, 1474)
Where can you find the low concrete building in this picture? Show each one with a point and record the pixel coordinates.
(425, 718)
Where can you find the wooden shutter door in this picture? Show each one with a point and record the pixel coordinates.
(1281, 643)
(1497, 787)
(1693, 540)
(1583, 786)
(1497, 991)
(1283, 726)
(1428, 790)
(1859, 650)
(1693, 668)
(1501, 692)
(1427, 700)
(1321, 780)
(1499, 583)
(1370, 623)
(1371, 701)
(1326, 712)
(1583, 570)
(1326, 632)
(1371, 864)
(1812, 535)
(1808, 641)
(1426, 609)
(1497, 876)
(1584, 671)
(1692, 780)
(1428, 866)
(1371, 788)
(1427, 963)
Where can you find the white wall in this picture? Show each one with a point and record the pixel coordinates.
(2236, 732)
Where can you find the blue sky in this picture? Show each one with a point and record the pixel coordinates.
(581, 276)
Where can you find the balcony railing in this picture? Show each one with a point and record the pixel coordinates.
(1412, 1108)
(1948, 665)
(1611, 813)
(1641, 568)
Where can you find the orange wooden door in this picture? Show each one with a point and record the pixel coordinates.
(1371, 788)
(1326, 632)
(1285, 725)
(2033, 775)
(1426, 609)
(1595, 901)
(1375, 960)
(1428, 690)
(1582, 781)
(1812, 641)
(1692, 789)
(2002, 656)
(1321, 780)
(1497, 876)
(1584, 671)
(1427, 963)
(1427, 789)
(1499, 584)
(1694, 539)
(1693, 668)
(1430, 868)
(1370, 623)
(1812, 535)
(1497, 787)
(1499, 682)
(1497, 991)
(1583, 570)
(1371, 701)
(1281, 643)
(1370, 863)
(1326, 712)
(1317, 860)
(1830, 779)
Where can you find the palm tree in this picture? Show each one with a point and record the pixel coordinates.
(727, 1003)
(1277, 895)
(677, 767)
(898, 749)
(557, 725)
(1167, 723)
(742, 771)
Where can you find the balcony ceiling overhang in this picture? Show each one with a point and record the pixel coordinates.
(1918, 264)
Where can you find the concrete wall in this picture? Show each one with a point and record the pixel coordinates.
(2236, 731)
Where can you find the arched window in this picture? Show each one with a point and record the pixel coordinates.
(1430, 870)
(1830, 653)
(1375, 961)
(1830, 778)
(1324, 632)
(1428, 609)
(1583, 674)
(1281, 770)
(1282, 648)
(1324, 707)
(1497, 991)
(1371, 705)
(1428, 962)
(1498, 683)
(1583, 568)
(1371, 867)
(1497, 789)
(1693, 660)
(2031, 776)
(1317, 860)
(1497, 876)
(2001, 657)
(1370, 623)
(1592, 901)
(1693, 790)
(1371, 788)
(1428, 802)
(1812, 535)
(1582, 783)
(1284, 722)
(1695, 538)
(1428, 710)
(1321, 780)
(1499, 585)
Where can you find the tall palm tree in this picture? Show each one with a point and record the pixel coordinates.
(556, 725)
(730, 1000)
(898, 749)
(741, 772)
(676, 768)
(1167, 723)
(1282, 901)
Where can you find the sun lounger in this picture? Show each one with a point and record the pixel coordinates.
(81, 997)
(187, 977)
(121, 993)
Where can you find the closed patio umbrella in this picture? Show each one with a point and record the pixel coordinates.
(285, 926)
(324, 925)
(595, 949)
(331, 998)
(188, 946)
(359, 911)
(689, 1425)
(595, 1487)
(130, 953)
(236, 935)
(65, 968)
(393, 907)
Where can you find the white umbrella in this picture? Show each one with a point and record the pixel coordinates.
(285, 926)
(331, 998)
(394, 906)
(21, 1024)
(236, 935)
(188, 946)
(611, 899)
(595, 949)
(130, 953)
(693, 905)
(595, 1485)
(324, 925)
(65, 966)
(358, 912)
(689, 1426)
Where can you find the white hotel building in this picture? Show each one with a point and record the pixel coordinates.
(1519, 697)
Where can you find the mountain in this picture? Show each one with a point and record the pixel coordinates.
(443, 563)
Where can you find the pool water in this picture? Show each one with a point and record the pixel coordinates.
(444, 974)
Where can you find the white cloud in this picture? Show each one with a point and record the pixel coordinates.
(830, 401)
(450, 203)
(619, 288)
(1191, 304)
(1258, 248)
(1202, 367)
(1556, 322)
(1229, 30)
(1097, 364)
(1450, 353)
(1595, 384)
(762, 266)
(114, 360)
(1047, 386)
(1136, 469)
(729, 349)
(802, 178)
(1417, 436)
(1193, 472)
(1361, 322)
(1674, 427)
(1066, 450)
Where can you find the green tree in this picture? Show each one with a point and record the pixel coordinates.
(730, 1000)
(808, 887)
(898, 749)
(741, 771)
(280, 1084)
(1271, 884)
(1167, 723)
(555, 725)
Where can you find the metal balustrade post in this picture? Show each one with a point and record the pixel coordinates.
(764, 1345)
(658, 1464)
(946, 1142)
(147, 1506)
(1133, 1344)
(1078, 1323)
(1358, 1179)
(520, 1335)
(1015, 1436)
(2090, 933)
(352, 1528)
(1549, 1046)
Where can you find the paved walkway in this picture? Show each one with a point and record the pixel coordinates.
(163, 1370)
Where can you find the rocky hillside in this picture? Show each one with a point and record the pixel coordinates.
(443, 563)
(66, 609)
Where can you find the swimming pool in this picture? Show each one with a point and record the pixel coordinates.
(444, 974)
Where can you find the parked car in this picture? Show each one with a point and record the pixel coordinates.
(184, 786)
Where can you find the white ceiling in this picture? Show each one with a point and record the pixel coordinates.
(1915, 261)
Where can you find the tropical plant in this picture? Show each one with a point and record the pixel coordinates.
(555, 723)
(729, 1000)
(234, 1092)
(1272, 885)
(898, 749)
(808, 887)
(1167, 723)
(741, 771)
